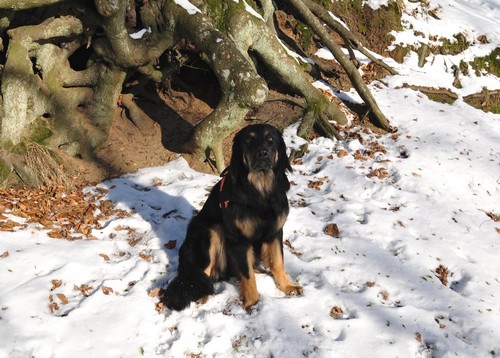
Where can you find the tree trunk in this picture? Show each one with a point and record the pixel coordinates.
(46, 101)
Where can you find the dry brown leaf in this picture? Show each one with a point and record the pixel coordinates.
(145, 257)
(384, 295)
(159, 307)
(442, 274)
(155, 292)
(288, 244)
(84, 289)
(380, 173)
(336, 312)
(171, 244)
(62, 298)
(492, 216)
(316, 184)
(332, 230)
(55, 284)
(107, 290)
(104, 256)
(5, 254)
(63, 213)
(342, 153)
(53, 306)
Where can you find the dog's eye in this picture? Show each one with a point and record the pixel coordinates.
(270, 140)
(249, 141)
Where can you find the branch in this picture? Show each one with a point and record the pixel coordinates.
(350, 69)
(17, 5)
(64, 26)
(347, 36)
(122, 50)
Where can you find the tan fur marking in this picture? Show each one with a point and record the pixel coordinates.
(216, 253)
(273, 259)
(247, 226)
(248, 286)
(262, 181)
(280, 220)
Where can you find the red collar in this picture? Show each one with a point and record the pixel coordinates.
(223, 204)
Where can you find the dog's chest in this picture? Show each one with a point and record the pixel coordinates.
(254, 226)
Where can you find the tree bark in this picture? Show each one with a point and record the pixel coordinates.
(241, 86)
(74, 109)
(350, 69)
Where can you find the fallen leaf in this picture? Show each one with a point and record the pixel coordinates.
(53, 306)
(492, 216)
(62, 298)
(106, 290)
(55, 284)
(384, 295)
(171, 244)
(336, 312)
(104, 256)
(380, 173)
(332, 230)
(154, 292)
(5, 254)
(145, 257)
(342, 153)
(442, 274)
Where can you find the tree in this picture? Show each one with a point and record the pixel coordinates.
(66, 62)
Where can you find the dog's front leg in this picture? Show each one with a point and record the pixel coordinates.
(272, 257)
(244, 260)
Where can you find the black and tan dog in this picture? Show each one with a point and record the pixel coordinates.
(240, 224)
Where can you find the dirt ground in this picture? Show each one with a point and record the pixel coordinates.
(168, 114)
(165, 123)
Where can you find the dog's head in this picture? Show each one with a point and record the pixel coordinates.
(259, 148)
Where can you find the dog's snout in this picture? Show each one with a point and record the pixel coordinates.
(263, 153)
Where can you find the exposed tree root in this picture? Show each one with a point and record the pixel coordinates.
(350, 69)
(39, 82)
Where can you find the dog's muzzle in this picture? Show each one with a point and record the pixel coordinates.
(262, 160)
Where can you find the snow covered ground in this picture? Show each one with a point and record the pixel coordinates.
(413, 273)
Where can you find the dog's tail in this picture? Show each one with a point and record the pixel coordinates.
(187, 287)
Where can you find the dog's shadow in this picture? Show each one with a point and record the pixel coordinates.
(167, 215)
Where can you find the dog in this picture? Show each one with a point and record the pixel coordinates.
(240, 224)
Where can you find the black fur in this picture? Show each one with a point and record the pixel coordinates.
(257, 150)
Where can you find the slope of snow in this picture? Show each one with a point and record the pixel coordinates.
(405, 204)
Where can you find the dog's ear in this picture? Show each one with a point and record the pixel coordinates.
(283, 163)
(237, 165)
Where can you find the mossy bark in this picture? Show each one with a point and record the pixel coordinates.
(48, 102)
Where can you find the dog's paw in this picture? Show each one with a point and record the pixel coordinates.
(292, 289)
(250, 301)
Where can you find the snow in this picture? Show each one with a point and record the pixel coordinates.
(186, 4)
(140, 34)
(405, 204)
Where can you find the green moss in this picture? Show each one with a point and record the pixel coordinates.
(490, 63)
(327, 4)
(217, 11)
(400, 52)
(486, 100)
(441, 98)
(4, 172)
(372, 26)
(39, 131)
(454, 47)
(306, 34)
(19, 148)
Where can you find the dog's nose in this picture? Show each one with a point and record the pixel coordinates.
(263, 153)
